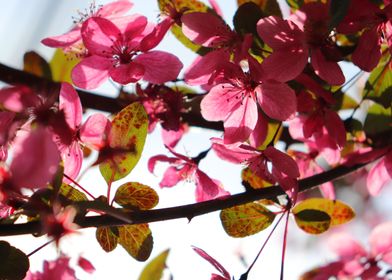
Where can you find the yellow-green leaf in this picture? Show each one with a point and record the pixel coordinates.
(313, 221)
(253, 180)
(246, 219)
(181, 6)
(62, 65)
(154, 269)
(35, 64)
(378, 119)
(71, 193)
(107, 237)
(136, 195)
(126, 141)
(136, 240)
(338, 211)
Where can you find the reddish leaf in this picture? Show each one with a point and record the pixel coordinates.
(107, 237)
(246, 219)
(35, 64)
(136, 195)
(136, 240)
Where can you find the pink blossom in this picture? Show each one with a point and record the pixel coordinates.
(86, 265)
(234, 100)
(284, 169)
(380, 174)
(92, 133)
(305, 34)
(224, 274)
(117, 54)
(58, 269)
(72, 40)
(182, 168)
(209, 30)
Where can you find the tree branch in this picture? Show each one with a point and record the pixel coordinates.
(191, 210)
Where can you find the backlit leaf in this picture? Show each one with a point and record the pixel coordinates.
(337, 11)
(126, 141)
(107, 237)
(269, 7)
(71, 193)
(379, 85)
(313, 221)
(14, 264)
(187, 6)
(378, 119)
(62, 65)
(35, 64)
(154, 269)
(136, 195)
(246, 219)
(253, 180)
(246, 18)
(337, 211)
(136, 240)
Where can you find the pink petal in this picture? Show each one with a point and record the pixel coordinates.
(86, 265)
(35, 159)
(205, 29)
(234, 153)
(63, 41)
(160, 67)
(327, 70)
(134, 28)
(18, 98)
(345, 246)
(205, 183)
(368, 51)
(203, 67)
(173, 176)
(220, 102)
(378, 177)
(127, 73)
(241, 121)
(73, 158)
(117, 8)
(172, 137)
(93, 131)
(380, 239)
(277, 100)
(99, 35)
(201, 195)
(212, 261)
(69, 102)
(285, 65)
(91, 72)
(155, 37)
(260, 131)
(335, 127)
(280, 34)
(153, 160)
(283, 162)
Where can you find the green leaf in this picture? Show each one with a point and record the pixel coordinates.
(126, 141)
(246, 18)
(184, 6)
(269, 7)
(337, 11)
(378, 120)
(247, 219)
(154, 269)
(35, 64)
(136, 195)
(379, 85)
(14, 264)
(107, 237)
(71, 193)
(295, 4)
(136, 240)
(62, 65)
(313, 221)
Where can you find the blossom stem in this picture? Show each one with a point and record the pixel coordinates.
(284, 244)
(40, 247)
(77, 184)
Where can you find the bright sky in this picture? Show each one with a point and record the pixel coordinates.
(22, 25)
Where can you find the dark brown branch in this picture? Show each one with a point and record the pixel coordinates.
(191, 210)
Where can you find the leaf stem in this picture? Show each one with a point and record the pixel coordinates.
(284, 244)
(39, 248)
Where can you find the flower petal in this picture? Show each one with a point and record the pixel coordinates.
(63, 41)
(206, 184)
(69, 102)
(116, 8)
(93, 131)
(380, 239)
(160, 67)
(327, 70)
(127, 73)
(367, 54)
(91, 72)
(282, 162)
(73, 158)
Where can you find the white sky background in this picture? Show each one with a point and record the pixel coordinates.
(23, 23)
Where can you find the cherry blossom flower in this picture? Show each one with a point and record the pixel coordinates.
(182, 168)
(284, 169)
(58, 269)
(211, 31)
(234, 100)
(117, 54)
(92, 133)
(72, 40)
(305, 34)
